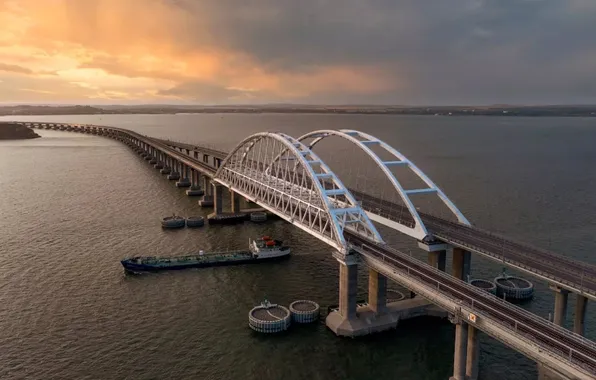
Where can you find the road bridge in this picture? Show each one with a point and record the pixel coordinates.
(301, 189)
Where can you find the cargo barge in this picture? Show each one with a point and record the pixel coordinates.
(263, 249)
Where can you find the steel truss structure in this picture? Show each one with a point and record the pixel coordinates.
(364, 141)
(283, 175)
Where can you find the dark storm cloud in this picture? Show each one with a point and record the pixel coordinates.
(456, 51)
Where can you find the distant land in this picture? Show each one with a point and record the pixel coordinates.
(11, 131)
(492, 110)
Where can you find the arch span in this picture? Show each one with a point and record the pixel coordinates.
(281, 174)
(364, 141)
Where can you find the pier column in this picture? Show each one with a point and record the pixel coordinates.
(377, 291)
(461, 263)
(579, 321)
(348, 287)
(473, 353)
(561, 298)
(235, 201)
(217, 198)
(437, 253)
(437, 259)
(207, 186)
(459, 354)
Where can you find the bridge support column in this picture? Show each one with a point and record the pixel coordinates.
(473, 353)
(184, 181)
(217, 198)
(235, 201)
(579, 321)
(459, 354)
(195, 189)
(437, 254)
(461, 263)
(561, 299)
(437, 259)
(377, 291)
(348, 287)
(341, 321)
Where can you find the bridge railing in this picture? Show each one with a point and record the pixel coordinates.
(516, 263)
(474, 297)
(512, 241)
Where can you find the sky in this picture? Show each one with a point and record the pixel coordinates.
(408, 52)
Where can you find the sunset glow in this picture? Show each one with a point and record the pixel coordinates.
(182, 51)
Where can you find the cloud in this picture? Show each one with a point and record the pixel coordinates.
(15, 69)
(379, 51)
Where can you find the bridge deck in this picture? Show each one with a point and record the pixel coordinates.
(574, 275)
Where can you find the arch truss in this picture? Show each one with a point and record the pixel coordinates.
(284, 176)
(413, 227)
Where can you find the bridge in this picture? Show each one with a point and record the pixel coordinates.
(284, 175)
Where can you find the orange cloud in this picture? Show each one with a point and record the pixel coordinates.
(131, 50)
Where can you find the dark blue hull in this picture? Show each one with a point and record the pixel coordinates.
(136, 268)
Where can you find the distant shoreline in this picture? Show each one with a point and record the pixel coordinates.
(12, 131)
(534, 111)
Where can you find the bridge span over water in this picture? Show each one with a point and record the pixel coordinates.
(284, 175)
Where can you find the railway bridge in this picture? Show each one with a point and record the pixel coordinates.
(284, 175)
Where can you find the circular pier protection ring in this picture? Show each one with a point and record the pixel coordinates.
(304, 311)
(512, 287)
(195, 221)
(269, 318)
(489, 286)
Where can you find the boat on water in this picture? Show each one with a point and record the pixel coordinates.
(259, 250)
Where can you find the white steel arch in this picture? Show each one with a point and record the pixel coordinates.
(286, 177)
(364, 141)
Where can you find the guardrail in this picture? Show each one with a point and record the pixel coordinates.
(474, 298)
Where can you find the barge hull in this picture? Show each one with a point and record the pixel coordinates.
(135, 268)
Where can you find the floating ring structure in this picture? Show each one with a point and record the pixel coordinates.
(512, 287)
(269, 318)
(304, 311)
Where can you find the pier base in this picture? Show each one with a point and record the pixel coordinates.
(174, 176)
(183, 182)
(195, 191)
(367, 321)
(207, 201)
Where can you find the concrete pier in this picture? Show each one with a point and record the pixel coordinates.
(579, 320)
(377, 291)
(351, 320)
(561, 300)
(437, 259)
(460, 351)
(195, 190)
(437, 254)
(235, 201)
(165, 170)
(461, 263)
(217, 198)
(207, 201)
(473, 353)
(158, 165)
(174, 176)
(183, 182)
